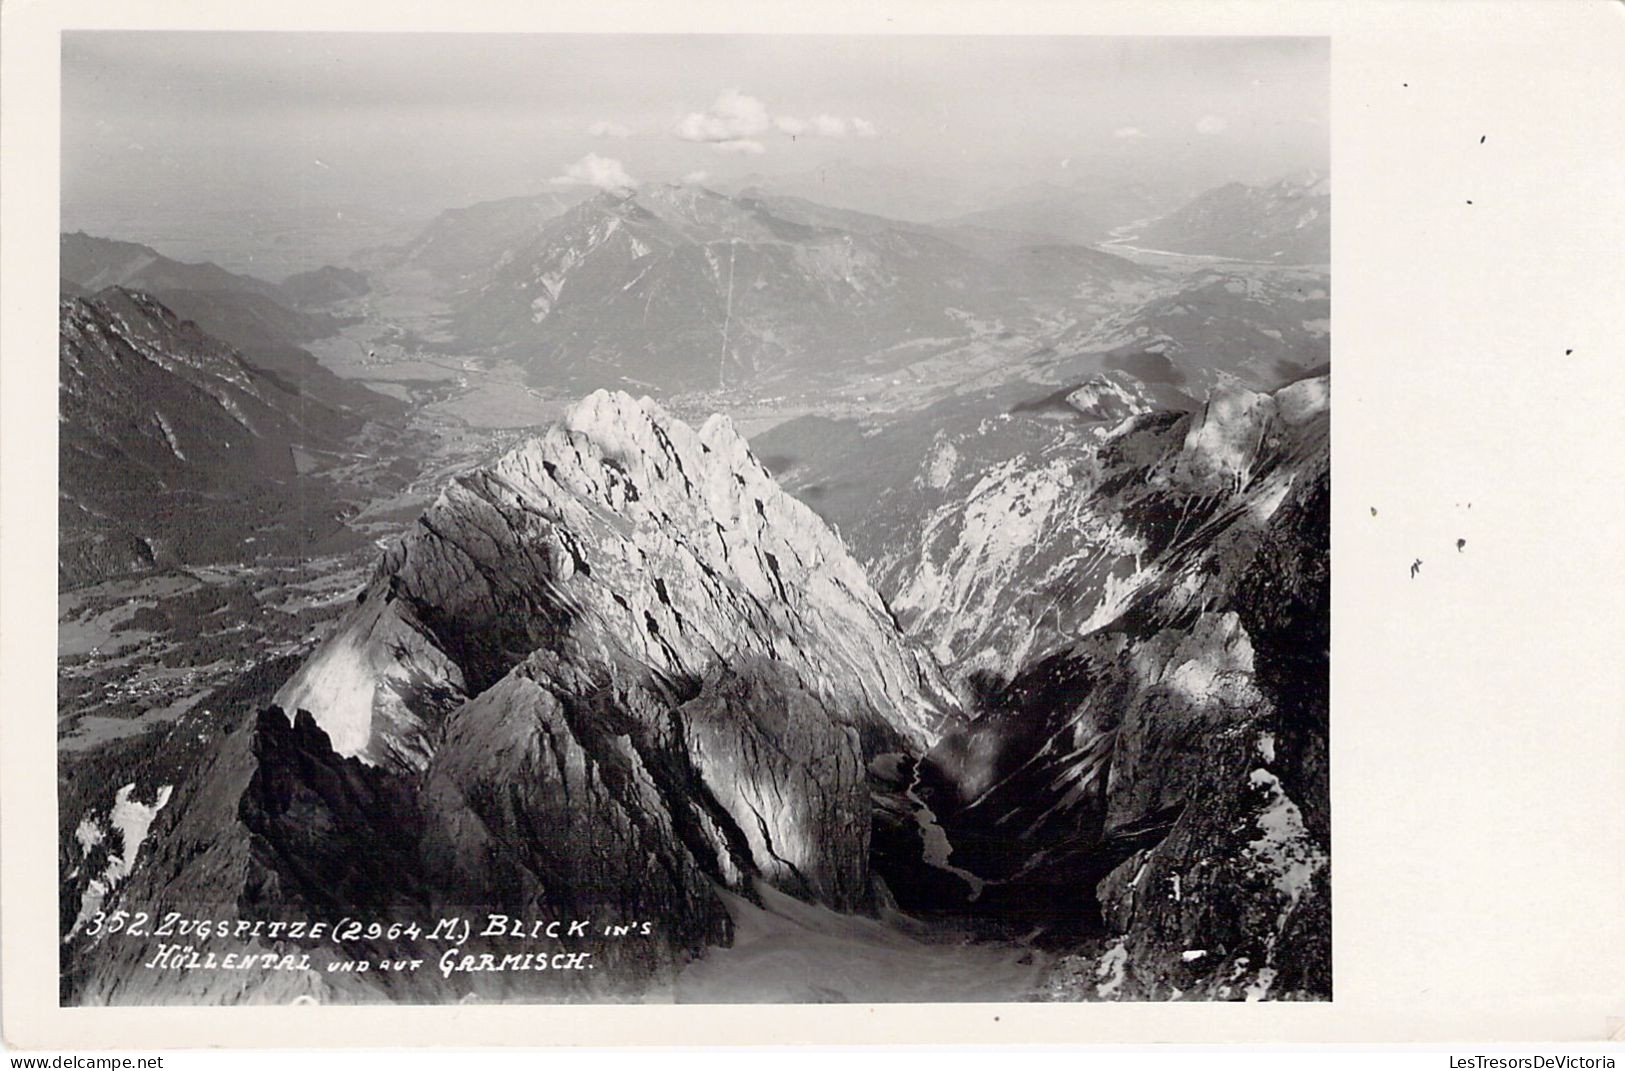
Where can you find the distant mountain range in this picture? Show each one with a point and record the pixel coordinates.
(461, 243)
(266, 322)
(249, 313)
(680, 287)
(1288, 222)
(1051, 212)
(96, 263)
(673, 287)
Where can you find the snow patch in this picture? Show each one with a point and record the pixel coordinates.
(1260, 986)
(169, 437)
(1112, 968)
(940, 465)
(131, 819)
(1284, 848)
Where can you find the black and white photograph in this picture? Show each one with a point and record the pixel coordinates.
(795, 532)
(552, 518)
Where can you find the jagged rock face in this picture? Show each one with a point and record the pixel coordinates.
(627, 532)
(1111, 398)
(612, 678)
(1162, 778)
(620, 675)
(1235, 902)
(560, 793)
(624, 670)
(1032, 551)
(326, 831)
(791, 778)
(553, 796)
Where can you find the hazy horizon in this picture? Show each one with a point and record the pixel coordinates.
(216, 141)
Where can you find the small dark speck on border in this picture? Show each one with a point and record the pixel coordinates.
(1567, 353)
(1460, 544)
(1469, 202)
(1373, 511)
(1481, 138)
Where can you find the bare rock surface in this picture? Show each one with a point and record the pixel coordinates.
(620, 529)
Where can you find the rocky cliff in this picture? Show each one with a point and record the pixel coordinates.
(611, 677)
(627, 533)
(1158, 774)
(620, 675)
(1032, 549)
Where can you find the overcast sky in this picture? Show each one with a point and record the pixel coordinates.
(424, 122)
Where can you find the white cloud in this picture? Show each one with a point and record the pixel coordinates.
(594, 170)
(1129, 132)
(606, 129)
(735, 122)
(830, 126)
(733, 117)
(694, 178)
(1211, 124)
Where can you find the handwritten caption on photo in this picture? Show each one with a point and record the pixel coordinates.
(351, 945)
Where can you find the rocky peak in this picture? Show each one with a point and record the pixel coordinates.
(1109, 398)
(1237, 426)
(630, 535)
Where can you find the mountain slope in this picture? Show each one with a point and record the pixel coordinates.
(1133, 600)
(173, 447)
(323, 286)
(619, 675)
(1158, 726)
(627, 526)
(609, 676)
(238, 309)
(97, 263)
(681, 287)
(1254, 328)
(461, 243)
(1287, 222)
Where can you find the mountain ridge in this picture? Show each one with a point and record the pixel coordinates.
(1286, 222)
